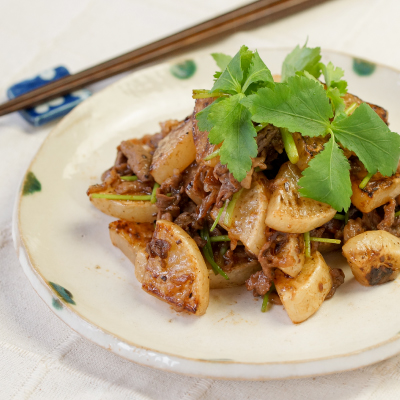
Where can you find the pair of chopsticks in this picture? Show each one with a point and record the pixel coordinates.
(251, 15)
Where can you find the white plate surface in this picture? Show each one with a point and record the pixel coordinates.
(61, 238)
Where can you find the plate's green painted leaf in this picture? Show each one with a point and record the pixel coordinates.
(327, 178)
(362, 67)
(370, 138)
(64, 293)
(301, 105)
(233, 126)
(302, 59)
(258, 72)
(31, 184)
(184, 70)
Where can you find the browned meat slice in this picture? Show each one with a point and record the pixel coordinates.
(139, 159)
(133, 187)
(201, 142)
(337, 279)
(229, 184)
(121, 164)
(259, 283)
(158, 247)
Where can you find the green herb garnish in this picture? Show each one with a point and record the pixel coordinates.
(110, 196)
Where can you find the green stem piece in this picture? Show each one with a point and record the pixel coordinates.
(153, 198)
(212, 155)
(325, 240)
(208, 253)
(396, 214)
(341, 217)
(365, 181)
(231, 207)
(351, 108)
(120, 197)
(266, 299)
(205, 94)
(290, 146)
(261, 126)
(346, 218)
(221, 210)
(307, 244)
(223, 238)
(129, 178)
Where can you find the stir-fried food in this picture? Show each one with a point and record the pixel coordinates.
(255, 185)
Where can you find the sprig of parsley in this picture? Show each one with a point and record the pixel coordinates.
(226, 119)
(300, 103)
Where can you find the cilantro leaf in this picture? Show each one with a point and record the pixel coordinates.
(231, 78)
(221, 59)
(232, 125)
(336, 100)
(331, 74)
(302, 59)
(327, 178)
(203, 123)
(370, 138)
(301, 105)
(258, 72)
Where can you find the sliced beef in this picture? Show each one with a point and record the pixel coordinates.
(259, 283)
(229, 185)
(201, 142)
(158, 247)
(138, 158)
(127, 187)
(338, 279)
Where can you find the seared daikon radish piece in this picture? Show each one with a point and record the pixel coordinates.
(175, 271)
(373, 256)
(350, 99)
(288, 211)
(176, 150)
(132, 238)
(247, 220)
(238, 275)
(379, 190)
(307, 148)
(302, 296)
(128, 210)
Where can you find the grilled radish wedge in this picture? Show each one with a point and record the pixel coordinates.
(132, 211)
(176, 271)
(176, 150)
(132, 238)
(303, 295)
(287, 211)
(248, 218)
(374, 257)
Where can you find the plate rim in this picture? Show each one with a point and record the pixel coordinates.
(165, 361)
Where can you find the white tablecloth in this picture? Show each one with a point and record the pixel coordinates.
(41, 357)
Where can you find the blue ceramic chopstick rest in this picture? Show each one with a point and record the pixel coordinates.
(52, 109)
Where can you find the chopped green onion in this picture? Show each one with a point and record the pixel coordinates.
(346, 218)
(351, 108)
(325, 240)
(221, 210)
(129, 178)
(307, 244)
(213, 154)
(223, 249)
(341, 217)
(110, 196)
(290, 146)
(261, 126)
(396, 214)
(223, 238)
(266, 299)
(205, 94)
(153, 198)
(208, 253)
(231, 207)
(365, 181)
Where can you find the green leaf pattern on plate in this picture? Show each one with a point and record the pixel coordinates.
(362, 67)
(184, 70)
(65, 294)
(31, 184)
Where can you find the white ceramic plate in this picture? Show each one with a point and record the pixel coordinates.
(61, 238)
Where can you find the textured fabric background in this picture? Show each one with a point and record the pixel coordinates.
(41, 357)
